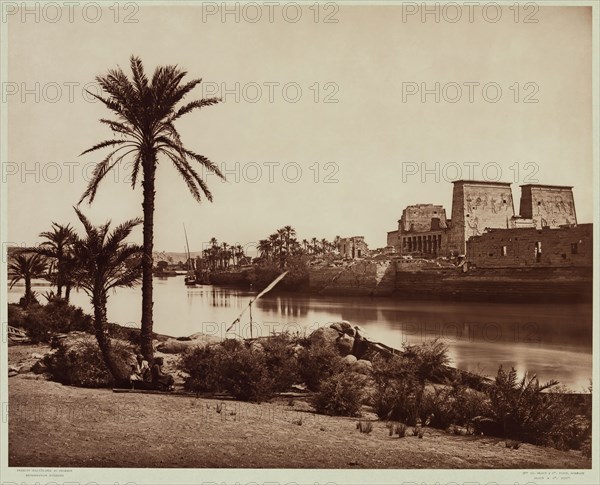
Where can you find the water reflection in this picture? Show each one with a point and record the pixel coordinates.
(554, 341)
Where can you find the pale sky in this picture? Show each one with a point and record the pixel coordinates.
(371, 57)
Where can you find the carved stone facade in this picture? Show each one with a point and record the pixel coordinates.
(548, 205)
(476, 206)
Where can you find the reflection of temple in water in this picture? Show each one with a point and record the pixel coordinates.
(283, 306)
(220, 298)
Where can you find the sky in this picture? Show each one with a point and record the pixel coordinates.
(330, 132)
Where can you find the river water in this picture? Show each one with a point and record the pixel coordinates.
(552, 340)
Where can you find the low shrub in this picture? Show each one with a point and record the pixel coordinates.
(281, 361)
(16, 315)
(42, 322)
(246, 376)
(396, 389)
(77, 361)
(317, 363)
(453, 405)
(364, 426)
(399, 429)
(340, 395)
(205, 367)
(528, 413)
(429, 360)
(229, 367)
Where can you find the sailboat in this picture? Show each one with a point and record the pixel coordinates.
(190, 277)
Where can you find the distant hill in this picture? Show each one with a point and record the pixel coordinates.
(175, 257)
(158, 255)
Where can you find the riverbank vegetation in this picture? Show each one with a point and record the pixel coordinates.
(280, 251)
(413, 388)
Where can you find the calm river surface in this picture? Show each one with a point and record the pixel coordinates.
(551, 340)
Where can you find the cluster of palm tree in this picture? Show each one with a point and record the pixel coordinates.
(283, 244)
(145, 111)
(222, 256)
(322, 246)
(97, 262)
(52, 260)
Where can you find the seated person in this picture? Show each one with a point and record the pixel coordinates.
(160, 380)
(140, 371)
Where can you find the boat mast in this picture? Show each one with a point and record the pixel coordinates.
(187, 245)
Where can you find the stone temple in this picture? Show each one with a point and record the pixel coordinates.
(478, 207)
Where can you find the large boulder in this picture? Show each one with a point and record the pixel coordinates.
(324, 335)
(174, 346)
(345, 344)
(350, 359)
(25, 369)
(343, 327)
(181, 345)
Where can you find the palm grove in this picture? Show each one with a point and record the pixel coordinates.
(143, 127)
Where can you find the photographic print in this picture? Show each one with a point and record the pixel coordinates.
(299, 242)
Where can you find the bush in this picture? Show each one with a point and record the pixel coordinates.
(340, 395)
(453, 405)
(229, 367)
(281, 361)
(527, 413)
(42, 322)
(77, 361)
(246, 376)
(397, 389)
(317, 363)
(204, 366)
(16, 315)
(430, 360)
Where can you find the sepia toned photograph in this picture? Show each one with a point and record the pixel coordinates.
(299, 242)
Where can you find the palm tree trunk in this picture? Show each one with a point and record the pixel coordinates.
(59, 283)
(28, 293)
(102, 338)
(147, 302)
(67, 292)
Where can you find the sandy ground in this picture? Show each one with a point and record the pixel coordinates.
(51, 425)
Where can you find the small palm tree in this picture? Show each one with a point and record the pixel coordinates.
(146, 110)
(105, 262)
(26, 267)
(57, 248)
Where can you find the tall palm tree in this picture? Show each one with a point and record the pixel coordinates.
(105, 262)
(146, 111)
(315, 245)
(290, 234)
(239, 254)
(26, 267)
(57, 248)
(264, 248)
